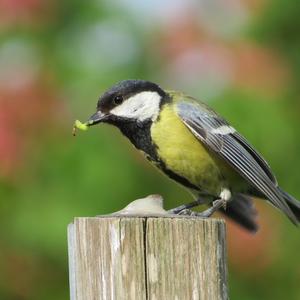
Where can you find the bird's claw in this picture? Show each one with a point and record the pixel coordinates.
(219, 203)
(187, 212)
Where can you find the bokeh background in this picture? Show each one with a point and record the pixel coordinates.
(57, 57)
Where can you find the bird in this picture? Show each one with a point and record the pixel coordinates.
(195, 147)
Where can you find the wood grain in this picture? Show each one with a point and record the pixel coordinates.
(149, 258)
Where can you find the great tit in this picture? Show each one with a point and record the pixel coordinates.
(195, 147)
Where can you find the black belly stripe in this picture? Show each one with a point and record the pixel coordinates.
(180, 179)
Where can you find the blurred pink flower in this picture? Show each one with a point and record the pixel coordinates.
(29, 11)
(24, 114)
(19, 5)
(259, 68)
(10, 145)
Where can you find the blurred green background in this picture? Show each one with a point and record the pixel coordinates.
(57, 57)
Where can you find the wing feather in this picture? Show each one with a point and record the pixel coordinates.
(234, 149)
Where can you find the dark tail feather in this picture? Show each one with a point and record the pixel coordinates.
(292, 203)
(242, 211)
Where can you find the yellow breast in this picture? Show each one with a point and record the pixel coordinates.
(183, 153)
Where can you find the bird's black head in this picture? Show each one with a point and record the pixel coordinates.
(134, 100)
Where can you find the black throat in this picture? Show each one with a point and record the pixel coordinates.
(138, 133)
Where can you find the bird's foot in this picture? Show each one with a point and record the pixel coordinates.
(177, 210)
(191, 213)
(184, 207)
(185, 211)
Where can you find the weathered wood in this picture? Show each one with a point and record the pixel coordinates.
(149, 258)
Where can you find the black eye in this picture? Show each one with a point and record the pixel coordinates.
(118, 100)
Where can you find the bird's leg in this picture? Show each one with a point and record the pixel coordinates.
(224, 197)
(216, 205)
(185, 207)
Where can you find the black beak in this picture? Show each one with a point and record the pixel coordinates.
(96, 118)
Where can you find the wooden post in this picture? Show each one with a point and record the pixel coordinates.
(147, 258)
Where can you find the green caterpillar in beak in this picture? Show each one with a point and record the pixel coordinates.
(79, 125)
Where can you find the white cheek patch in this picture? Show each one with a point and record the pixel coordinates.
(142, 106)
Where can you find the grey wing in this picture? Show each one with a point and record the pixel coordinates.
(260, 160)
(214, 132)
